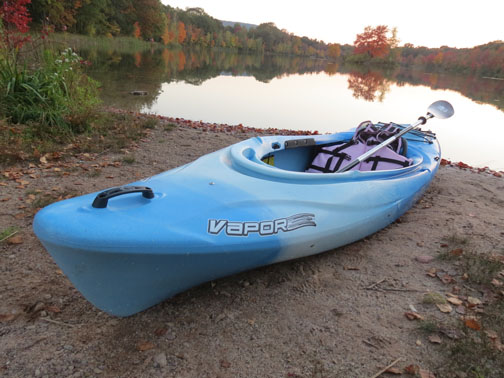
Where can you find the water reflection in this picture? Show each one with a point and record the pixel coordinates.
(147, 70)
(369, 86)
(303, 94)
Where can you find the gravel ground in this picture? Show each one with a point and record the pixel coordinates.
(337, 314)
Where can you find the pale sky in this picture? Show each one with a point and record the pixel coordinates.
(431, 23)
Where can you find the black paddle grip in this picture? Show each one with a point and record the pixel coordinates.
(101, 200)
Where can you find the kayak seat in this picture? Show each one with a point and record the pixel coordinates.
(290, 159)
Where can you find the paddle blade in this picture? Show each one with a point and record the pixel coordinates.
(441, 109)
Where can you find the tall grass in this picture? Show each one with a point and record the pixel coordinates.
(56, 98)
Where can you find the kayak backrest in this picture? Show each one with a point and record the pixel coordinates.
(330, 158)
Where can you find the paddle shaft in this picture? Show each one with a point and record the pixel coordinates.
(421, 121)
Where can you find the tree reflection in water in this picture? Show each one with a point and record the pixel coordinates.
(121, 73)
(369, 86)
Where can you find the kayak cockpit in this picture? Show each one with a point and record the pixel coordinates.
(287, 158)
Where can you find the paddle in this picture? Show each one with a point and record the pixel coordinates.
(439, 109)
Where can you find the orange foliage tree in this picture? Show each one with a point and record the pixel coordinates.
(136, 30)
(373, 41)
(333, 50)
(181, 32)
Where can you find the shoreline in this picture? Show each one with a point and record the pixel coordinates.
(240, 128)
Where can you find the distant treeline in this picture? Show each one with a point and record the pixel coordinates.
(486, 60)
(152, 21)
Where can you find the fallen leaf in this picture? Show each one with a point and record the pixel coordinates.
(452, 333)
(434, 297)
(497, 283)
(435, 339)
(424, 259)
(457, 252)
(393, 370)
(454, 301)
(225, 364)
(444, 307)
(446, 279)
(432, 272)
(426, 374)
(498, 345)
(142, 346)
(16, 239)
(413, 315)
(491, 334)
(160, 331)
(461, 310)
(7, 317)
(412, 369)
(53, 309)
(473, 301)
(473, 324)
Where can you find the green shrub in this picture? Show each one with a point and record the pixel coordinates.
(56, 98)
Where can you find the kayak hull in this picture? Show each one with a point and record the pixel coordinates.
(224, 213)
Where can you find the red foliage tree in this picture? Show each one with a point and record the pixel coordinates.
(15, 18)
(373, 41)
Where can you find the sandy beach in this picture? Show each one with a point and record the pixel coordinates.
(343, 313)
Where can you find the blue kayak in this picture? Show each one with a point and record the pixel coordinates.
(245, 206)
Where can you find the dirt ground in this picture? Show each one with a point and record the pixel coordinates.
(337, 314)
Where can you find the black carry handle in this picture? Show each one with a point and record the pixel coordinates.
(101, 200)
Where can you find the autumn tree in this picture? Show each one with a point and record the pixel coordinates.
(14, 20)
(136, 30)
(333, 50)
(181, 32)
(374, 41)
(149, 15)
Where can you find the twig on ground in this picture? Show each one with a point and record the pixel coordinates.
(386, 368)
(57, 322)
(394, 289)
(370, 344)
(34, 343)
(375, 284)
(9, 236)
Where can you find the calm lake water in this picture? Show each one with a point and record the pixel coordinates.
(304, 94)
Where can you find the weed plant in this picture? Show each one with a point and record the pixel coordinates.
(54, 99)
